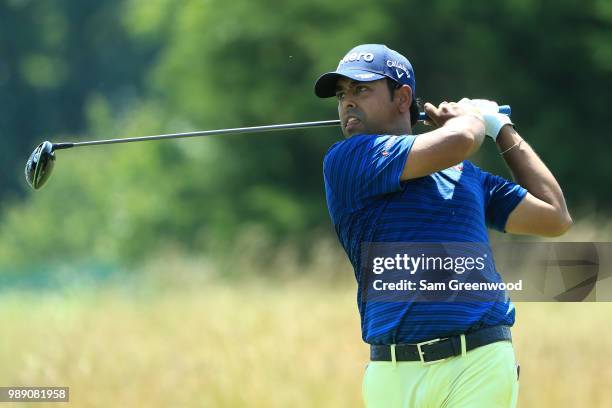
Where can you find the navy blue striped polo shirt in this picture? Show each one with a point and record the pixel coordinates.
(367, 203)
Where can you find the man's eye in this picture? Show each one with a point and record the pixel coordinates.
(340, 95)
(361, 89)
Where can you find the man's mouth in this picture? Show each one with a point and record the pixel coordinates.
(351, 122)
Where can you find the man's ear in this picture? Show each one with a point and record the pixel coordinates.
(404, 98)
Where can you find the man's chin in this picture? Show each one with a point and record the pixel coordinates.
(352, 131)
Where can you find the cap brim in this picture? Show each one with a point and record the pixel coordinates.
(325, 87)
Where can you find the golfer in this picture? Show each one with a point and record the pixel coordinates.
(384, 184)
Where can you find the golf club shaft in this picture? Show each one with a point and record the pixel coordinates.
(505, 109)
(266, 128)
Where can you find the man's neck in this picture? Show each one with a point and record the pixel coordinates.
(399, 130)
(401, 127)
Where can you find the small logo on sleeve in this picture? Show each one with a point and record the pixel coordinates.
(388, 144)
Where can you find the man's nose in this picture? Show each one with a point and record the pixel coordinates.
(348, 102)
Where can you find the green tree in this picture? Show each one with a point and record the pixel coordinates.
(127, 68)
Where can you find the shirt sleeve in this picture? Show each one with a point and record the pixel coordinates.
(501, 198)
(363, 167)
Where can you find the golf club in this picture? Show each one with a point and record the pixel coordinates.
(42, 160)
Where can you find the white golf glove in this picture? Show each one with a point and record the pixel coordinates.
(494, 120)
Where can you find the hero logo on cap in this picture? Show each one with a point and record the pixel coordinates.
(356, 56)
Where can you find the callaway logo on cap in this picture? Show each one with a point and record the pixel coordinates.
(368, 62)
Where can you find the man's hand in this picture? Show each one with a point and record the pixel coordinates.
(448, 110)
(494, 121)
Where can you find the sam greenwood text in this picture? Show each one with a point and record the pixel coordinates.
(406, 285)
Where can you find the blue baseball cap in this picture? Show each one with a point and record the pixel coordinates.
(365, 63)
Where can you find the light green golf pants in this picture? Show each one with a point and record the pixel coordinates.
(484, 377)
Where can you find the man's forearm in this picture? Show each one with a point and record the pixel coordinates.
(529, 170)
(473, 129)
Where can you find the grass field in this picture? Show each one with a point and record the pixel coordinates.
(288, 336)
(295, 344)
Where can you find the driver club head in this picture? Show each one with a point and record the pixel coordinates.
(39, 165)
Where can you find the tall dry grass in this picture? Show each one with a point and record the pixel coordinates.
(260, 346)
(176, 336)
(224, 346)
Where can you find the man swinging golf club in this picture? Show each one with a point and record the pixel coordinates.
(384, 184)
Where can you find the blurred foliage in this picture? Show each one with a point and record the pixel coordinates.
(126, 68)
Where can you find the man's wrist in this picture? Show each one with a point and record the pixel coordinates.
(507, 138)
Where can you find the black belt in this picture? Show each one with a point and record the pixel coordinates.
(435, 350)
